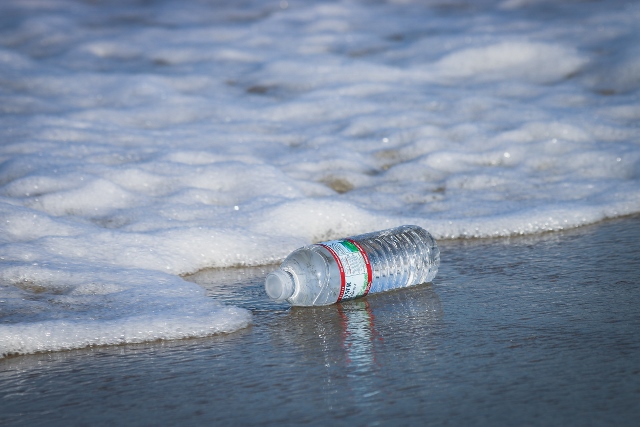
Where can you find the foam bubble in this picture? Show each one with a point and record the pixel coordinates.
(535, 62)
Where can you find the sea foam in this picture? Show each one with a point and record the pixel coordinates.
(145, 142)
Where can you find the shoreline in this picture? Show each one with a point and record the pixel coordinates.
(227, 274)
(541, 330)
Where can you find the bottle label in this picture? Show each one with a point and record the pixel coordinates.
(354, 266)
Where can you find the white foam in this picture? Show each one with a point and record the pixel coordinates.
(103, 306)
(143, 142)
(535, 62)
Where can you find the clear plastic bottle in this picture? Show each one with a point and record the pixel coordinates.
(339, 270)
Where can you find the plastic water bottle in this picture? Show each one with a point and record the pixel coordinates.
(339, 270)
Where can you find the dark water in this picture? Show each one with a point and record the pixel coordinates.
(529, 331)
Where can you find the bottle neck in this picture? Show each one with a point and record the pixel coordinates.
(279, 285)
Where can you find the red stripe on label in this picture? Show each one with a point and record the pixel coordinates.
(366, 261)
(342, 278)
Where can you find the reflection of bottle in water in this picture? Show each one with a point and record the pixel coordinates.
(350, 268)
(358, 333)
(353, 343)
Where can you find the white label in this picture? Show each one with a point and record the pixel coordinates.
(354, 266)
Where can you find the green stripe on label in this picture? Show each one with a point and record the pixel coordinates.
(347, 244)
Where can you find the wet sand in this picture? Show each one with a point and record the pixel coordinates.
(538, 330)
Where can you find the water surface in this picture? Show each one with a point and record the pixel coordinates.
(540, 330)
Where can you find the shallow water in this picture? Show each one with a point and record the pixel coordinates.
(141, 141)
(540, 330)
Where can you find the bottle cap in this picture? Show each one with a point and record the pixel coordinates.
(279, 285)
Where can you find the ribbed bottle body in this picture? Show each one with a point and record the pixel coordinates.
(400, 257)
(349, 268)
